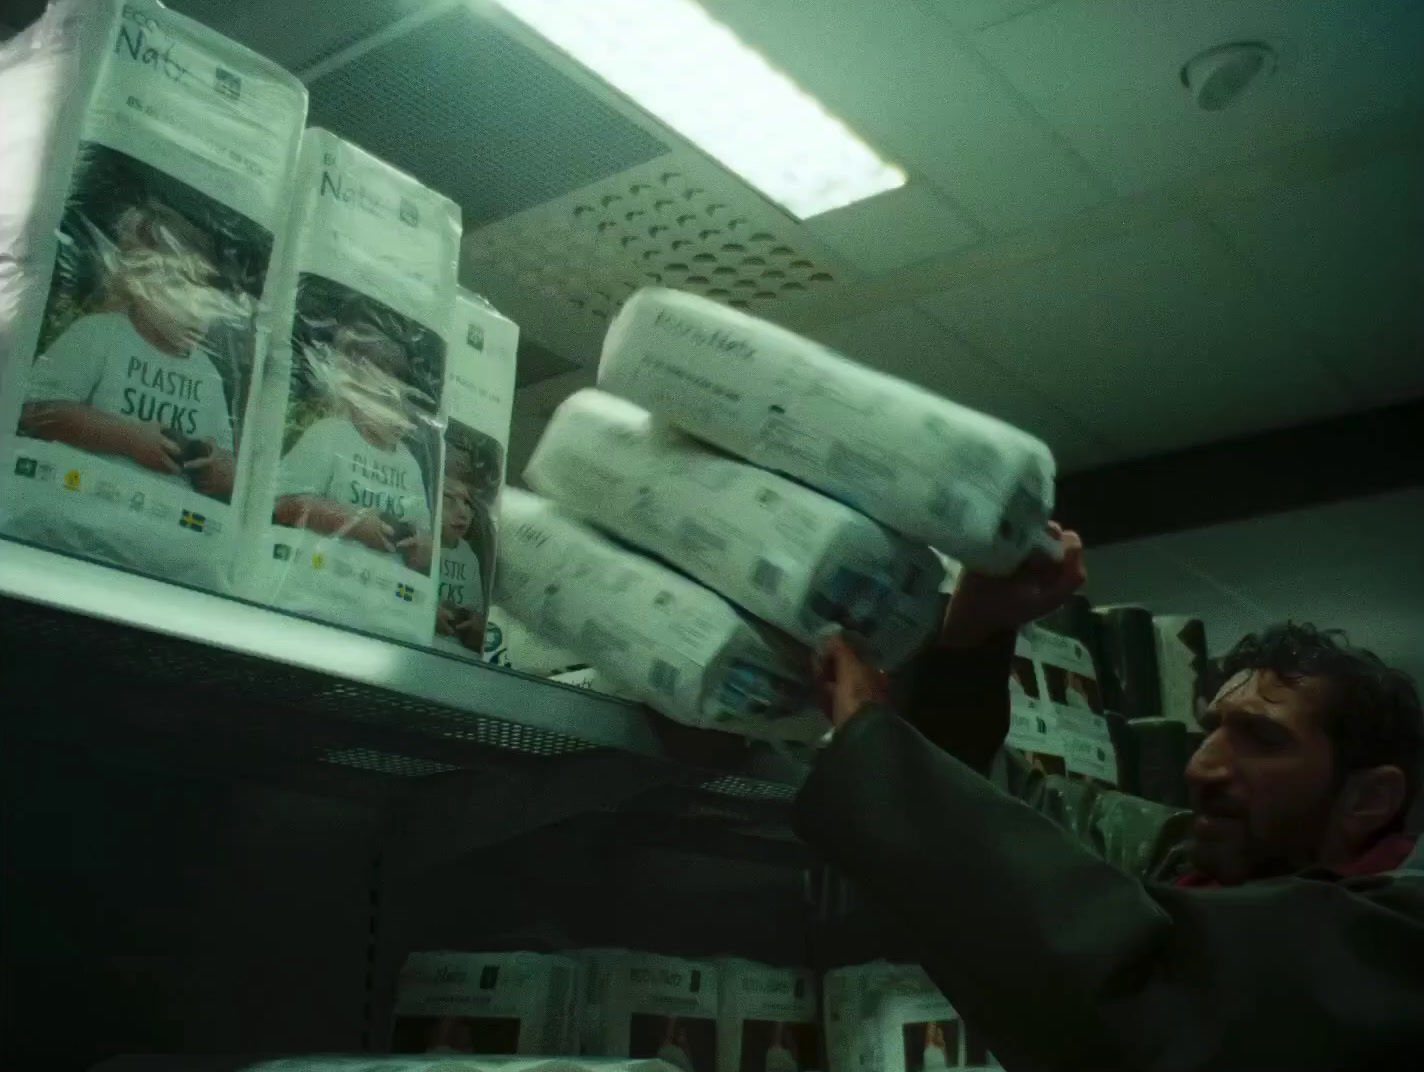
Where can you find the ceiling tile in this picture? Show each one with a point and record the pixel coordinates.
(1158, 339)
(1345, 257)
(907, 343)
(900, 77)
(894, 229)
(1105, 73)
(978, 14)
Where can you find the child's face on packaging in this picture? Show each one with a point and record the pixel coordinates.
(171, 290)
(377, 400)
(457, 511)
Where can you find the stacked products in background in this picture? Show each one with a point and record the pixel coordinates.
(1033, 721)
(487, 1003)
(158, 172)
(883, 1017)
(479, 402)
(344, 503)
(642, 1005)
(768, 1020)
(657, 635)
(971, 486)
(786, 554)
(1071, 687)
(1181, 664)
(1130, 648)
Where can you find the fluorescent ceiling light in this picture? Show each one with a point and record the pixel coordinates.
(691, 72)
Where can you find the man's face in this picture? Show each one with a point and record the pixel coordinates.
(1262, 782)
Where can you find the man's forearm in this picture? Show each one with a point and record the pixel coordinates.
(959, 698)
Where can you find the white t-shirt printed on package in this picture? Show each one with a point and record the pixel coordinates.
(102, 361)
(461, 580)
(333, 461)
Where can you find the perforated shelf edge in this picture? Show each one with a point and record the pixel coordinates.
(428, 706)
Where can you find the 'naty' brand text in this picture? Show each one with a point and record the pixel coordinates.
(714, 339)
(139, 41)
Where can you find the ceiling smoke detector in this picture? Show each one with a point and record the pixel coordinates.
(1218, 76)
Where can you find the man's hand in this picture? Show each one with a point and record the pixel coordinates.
(982, 606)
(213, 473)
(845, 679)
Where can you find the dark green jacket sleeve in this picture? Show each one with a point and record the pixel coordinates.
(1064, 961)
(959, 700)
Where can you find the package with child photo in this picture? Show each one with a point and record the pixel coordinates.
(345, 511)
(479, 401)
(139, 337)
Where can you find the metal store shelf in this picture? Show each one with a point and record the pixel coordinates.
(233, 683)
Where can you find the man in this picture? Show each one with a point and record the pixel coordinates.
(1280, 926)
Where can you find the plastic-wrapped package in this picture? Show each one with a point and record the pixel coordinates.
(883, 1017)
(479, 401)
(767, 1018)
(642, 1005)
(786, 554)
(142, 250)
(658, 636)
(971, 485)
(1033, 721)
(346, 471)
(1130, 648)
(1074, 696)
(487, 1003)
(513, 645)
(1181, 658)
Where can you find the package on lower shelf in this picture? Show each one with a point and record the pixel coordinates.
(479, 400)
(658, 636)
(138, 236)
(489, 1003)
(345, 491)
(767, 1020)
(883, 1017)
(643, 1005)
(789, 555)
(971, 485)
(444, 1063)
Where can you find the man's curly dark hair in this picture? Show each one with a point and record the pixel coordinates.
(1372, 711)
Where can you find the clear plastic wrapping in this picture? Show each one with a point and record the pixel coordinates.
(883, 1017)
(786, 554)
(643, 1005)
(344, 507)
(137, 331)
(658, 636)
(968, 484)
(479, 401)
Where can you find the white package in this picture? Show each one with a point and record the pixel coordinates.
(345, 497)
(1033, 721)
(642, 1005)
(513, 645)
(971, 485)
(1181, 653)
(786, 554)
(1071, 683)
(479, 402)
(659, 637)
(487, 1003)
(141, 220)
(767, 1019)
(884, 1017)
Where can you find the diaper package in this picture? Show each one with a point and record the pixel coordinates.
(884, 1017)
(642, 1005)
(139, 223)
(1033, 721)
(786, 554)
(1073, 695)
(972, 486)
(1181, 658)
(658, 636)
(479, 401)
(345, 497)
(767, 1019)
(487, 1003)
